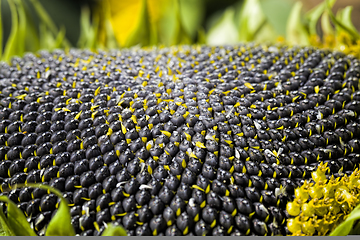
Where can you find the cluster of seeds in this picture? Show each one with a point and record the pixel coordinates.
(175, 141)
(322, 204)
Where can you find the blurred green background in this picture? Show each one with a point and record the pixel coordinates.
(63, 12)
(67, 13)
(123, 23)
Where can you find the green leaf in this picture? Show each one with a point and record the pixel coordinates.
(85, 27)
(4, 227)
(59, 38)
(192, 13)
(314, 14)
(296, 33)
(94, 29)
(277, 13)
(326, 26)
(168, 25)
(251, 20)
(171, 27)
(154, 36)
(111, 42)
(182, 36)
(16, 220)
(44, 15)
(46, 19)
(22, 28)
(265, 34)
(32, 43)
(88, 29)
(345, 19)
(114, 230)
(201, 38)
(47, 40)
(345, 227)
(11, 44)
(225, 31)
(339, 21)
(356, 229)
(62, 217)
